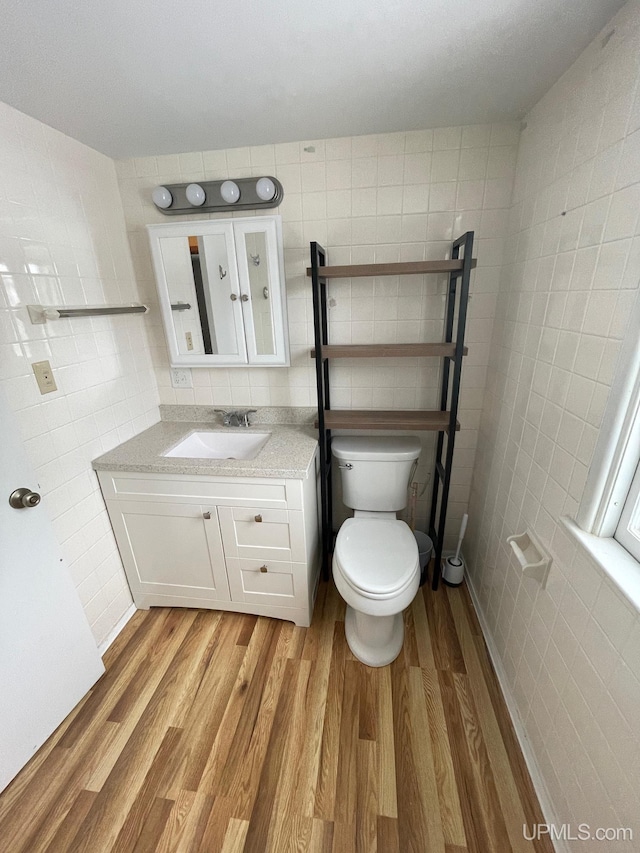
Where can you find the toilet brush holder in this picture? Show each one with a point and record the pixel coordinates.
(452, 574)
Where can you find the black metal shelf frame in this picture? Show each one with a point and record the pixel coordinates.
(457, 296)
(442, 473)
(320, 334)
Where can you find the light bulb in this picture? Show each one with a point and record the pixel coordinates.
(162, 197)
(265, 189)
(195, 195)
(230, 192)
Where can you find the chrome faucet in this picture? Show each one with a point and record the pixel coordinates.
(236, 417)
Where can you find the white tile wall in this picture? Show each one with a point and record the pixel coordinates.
(392, 197)
(572, 267)
(62, 241)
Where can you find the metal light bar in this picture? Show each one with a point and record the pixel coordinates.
(39, 314)
(214, 202)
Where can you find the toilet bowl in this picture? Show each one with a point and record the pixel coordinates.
(377, 572)
(376, 565)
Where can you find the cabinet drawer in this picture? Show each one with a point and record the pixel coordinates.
(279, 585)
(259, 533)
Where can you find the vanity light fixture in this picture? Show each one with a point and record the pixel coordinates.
(195, 195)
(218, 196)
(265, 188)
(230, 192)
(162, 197)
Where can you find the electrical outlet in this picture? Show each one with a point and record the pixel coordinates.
(181, 377)
(44, 377)
(189, 339)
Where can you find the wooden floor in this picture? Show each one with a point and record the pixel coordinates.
(223, 732)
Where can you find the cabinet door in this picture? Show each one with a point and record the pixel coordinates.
(170, 549)
(262, 534)
(197, 275)
(221, 289)
(261, 276)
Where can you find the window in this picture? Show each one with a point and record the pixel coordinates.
(607, 523)
(628, 530)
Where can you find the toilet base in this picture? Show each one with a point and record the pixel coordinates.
(374, 640)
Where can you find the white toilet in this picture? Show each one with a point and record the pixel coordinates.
(375, 561)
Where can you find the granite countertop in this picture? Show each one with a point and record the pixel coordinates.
(287, 454)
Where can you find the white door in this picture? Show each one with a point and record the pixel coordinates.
(48, 656)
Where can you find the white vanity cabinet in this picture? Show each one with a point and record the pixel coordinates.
(243, 544)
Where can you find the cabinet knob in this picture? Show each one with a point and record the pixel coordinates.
(263, 569)
(233, 297)
(245, 297)
(206, 515)
(258, 518)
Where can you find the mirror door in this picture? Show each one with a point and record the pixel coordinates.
(220, 311)
(202, 296)
(258, 269)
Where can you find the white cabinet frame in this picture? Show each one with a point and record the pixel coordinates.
(238, 306)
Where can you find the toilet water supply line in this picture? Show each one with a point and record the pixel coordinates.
(413, 495)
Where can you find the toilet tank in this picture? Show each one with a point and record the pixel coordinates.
(379, 471)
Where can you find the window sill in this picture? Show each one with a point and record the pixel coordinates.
(614, 560)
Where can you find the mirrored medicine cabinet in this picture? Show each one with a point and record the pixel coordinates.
(221, 289)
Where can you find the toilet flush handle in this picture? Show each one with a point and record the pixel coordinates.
(348, 466)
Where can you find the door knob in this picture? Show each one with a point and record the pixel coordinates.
(24, 499)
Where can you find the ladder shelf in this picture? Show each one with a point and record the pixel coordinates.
(443, 420)
(388, 350)
(376, 419)
(454, 266)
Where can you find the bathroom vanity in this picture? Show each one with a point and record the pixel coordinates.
(227, 534)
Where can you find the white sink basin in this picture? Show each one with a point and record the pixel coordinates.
(220, 445)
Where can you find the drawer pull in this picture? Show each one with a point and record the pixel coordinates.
(263, 569)
(206, 515)
(258, 518)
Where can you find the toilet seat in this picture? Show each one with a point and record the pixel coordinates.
(377, 558)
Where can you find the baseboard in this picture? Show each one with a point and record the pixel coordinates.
(560, 845)
(104, 645)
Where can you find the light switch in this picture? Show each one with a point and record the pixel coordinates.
(189, 338)
(44, 377)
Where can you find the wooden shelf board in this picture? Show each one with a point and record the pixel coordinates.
(388, 350)
(364, 419)
(405, 268)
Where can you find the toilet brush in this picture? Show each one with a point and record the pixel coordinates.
(453, 569)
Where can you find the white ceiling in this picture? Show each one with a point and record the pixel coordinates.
(137, 77)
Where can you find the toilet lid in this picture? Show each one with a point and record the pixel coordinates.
(376, 557)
